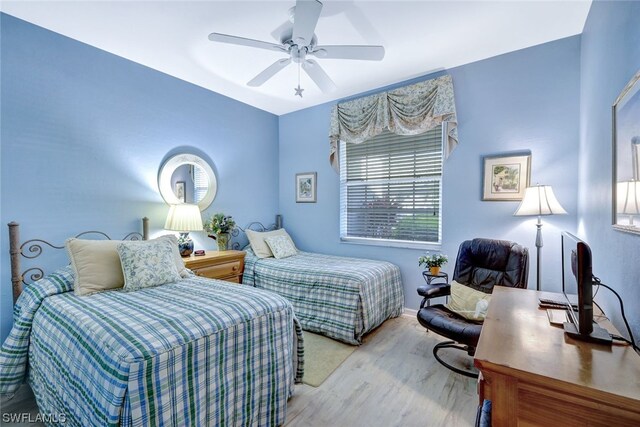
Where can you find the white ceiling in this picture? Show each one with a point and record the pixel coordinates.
(419, 37)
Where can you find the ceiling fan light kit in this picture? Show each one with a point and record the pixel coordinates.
(298, 44)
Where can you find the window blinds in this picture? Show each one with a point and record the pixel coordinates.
(200, 184)
(390, 187)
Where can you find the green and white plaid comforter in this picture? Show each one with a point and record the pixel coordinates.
(342, 298)
(196, 352)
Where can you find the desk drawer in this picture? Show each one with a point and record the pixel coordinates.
(219, 271)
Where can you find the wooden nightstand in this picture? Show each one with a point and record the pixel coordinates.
(225, 265)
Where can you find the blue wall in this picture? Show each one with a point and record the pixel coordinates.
(84, 132)
(610, 57)
(524, 100)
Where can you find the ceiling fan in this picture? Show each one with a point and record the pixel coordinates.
(301, 42)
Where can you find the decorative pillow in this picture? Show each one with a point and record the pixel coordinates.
(96, 265)
(468, 302)
(182, 270)
(281, 246)
(147, 264)
(258, 244)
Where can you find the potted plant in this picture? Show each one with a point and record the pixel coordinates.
(433, 261)
(218, 227)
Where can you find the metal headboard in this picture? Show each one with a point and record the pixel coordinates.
(239, 235)
(32, 249)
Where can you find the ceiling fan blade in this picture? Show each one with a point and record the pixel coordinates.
(317, 74)
(225, 38)
(367, 53)
(285, 29)
(305, 21)
(269, 72)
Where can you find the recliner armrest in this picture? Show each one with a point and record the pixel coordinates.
(434, 291)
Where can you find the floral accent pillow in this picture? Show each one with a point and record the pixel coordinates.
(147, 264)
(281, 246)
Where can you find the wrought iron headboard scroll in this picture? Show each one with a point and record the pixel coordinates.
(239, 234)
(32, 249)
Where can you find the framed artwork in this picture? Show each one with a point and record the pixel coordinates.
(306, 187)
(506, 177)
(626, 158)
(180, 192)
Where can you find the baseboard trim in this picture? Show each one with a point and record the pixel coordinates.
(409, 312)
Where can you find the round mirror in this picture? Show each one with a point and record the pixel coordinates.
(187, 178)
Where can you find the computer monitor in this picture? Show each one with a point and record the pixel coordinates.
(577, 282)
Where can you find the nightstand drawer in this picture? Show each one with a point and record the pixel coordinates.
(218, 271)
(224, 265)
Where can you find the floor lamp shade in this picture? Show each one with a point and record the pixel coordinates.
(537, 201)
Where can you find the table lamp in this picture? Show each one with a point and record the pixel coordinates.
(628, 199)
(184, 218)
(539, 200)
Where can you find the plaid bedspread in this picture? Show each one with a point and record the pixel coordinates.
(196, 352)
(342, 298)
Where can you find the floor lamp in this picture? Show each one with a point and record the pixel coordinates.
(539, 201)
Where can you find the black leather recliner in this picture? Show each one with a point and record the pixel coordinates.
(481, 264)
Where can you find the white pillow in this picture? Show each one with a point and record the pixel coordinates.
(96, 263)
(258, 243)
(281, 246)
(468, 302)
(147, 264)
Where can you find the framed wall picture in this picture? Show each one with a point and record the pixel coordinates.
(180, 192)
(306, 187)
(626, 158)
(506, 177)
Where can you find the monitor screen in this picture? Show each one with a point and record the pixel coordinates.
(577, 280)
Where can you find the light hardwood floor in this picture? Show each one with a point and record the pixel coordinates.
(390, 380)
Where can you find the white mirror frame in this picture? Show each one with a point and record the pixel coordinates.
(174, 162)
(631, 90)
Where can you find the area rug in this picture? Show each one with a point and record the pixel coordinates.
(322, 356)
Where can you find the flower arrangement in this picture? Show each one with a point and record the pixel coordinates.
(433, 260)
(219, 224)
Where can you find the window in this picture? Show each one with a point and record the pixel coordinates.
(200, 183)
(390, 189)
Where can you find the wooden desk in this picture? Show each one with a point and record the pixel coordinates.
(535, 375)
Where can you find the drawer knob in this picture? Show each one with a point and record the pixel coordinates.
(235, 268)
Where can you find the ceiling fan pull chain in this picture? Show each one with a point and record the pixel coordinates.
(298, 89)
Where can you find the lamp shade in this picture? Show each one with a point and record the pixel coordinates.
(184, 217)
(539, 200)
(628, 198)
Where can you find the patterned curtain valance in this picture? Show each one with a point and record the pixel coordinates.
(408, 110)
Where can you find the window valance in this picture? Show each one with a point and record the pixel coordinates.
(408, 110)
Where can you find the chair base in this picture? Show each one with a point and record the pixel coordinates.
(453, 344)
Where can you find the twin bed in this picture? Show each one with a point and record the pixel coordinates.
(194, 352)
(342, 298)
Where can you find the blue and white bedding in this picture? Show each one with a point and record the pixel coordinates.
(342, 298)
(195, 352)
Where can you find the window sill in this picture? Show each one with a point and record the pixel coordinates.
(391, 243)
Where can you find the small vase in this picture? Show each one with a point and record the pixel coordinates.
(434, 271)
(185, 245)
(223, 241)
